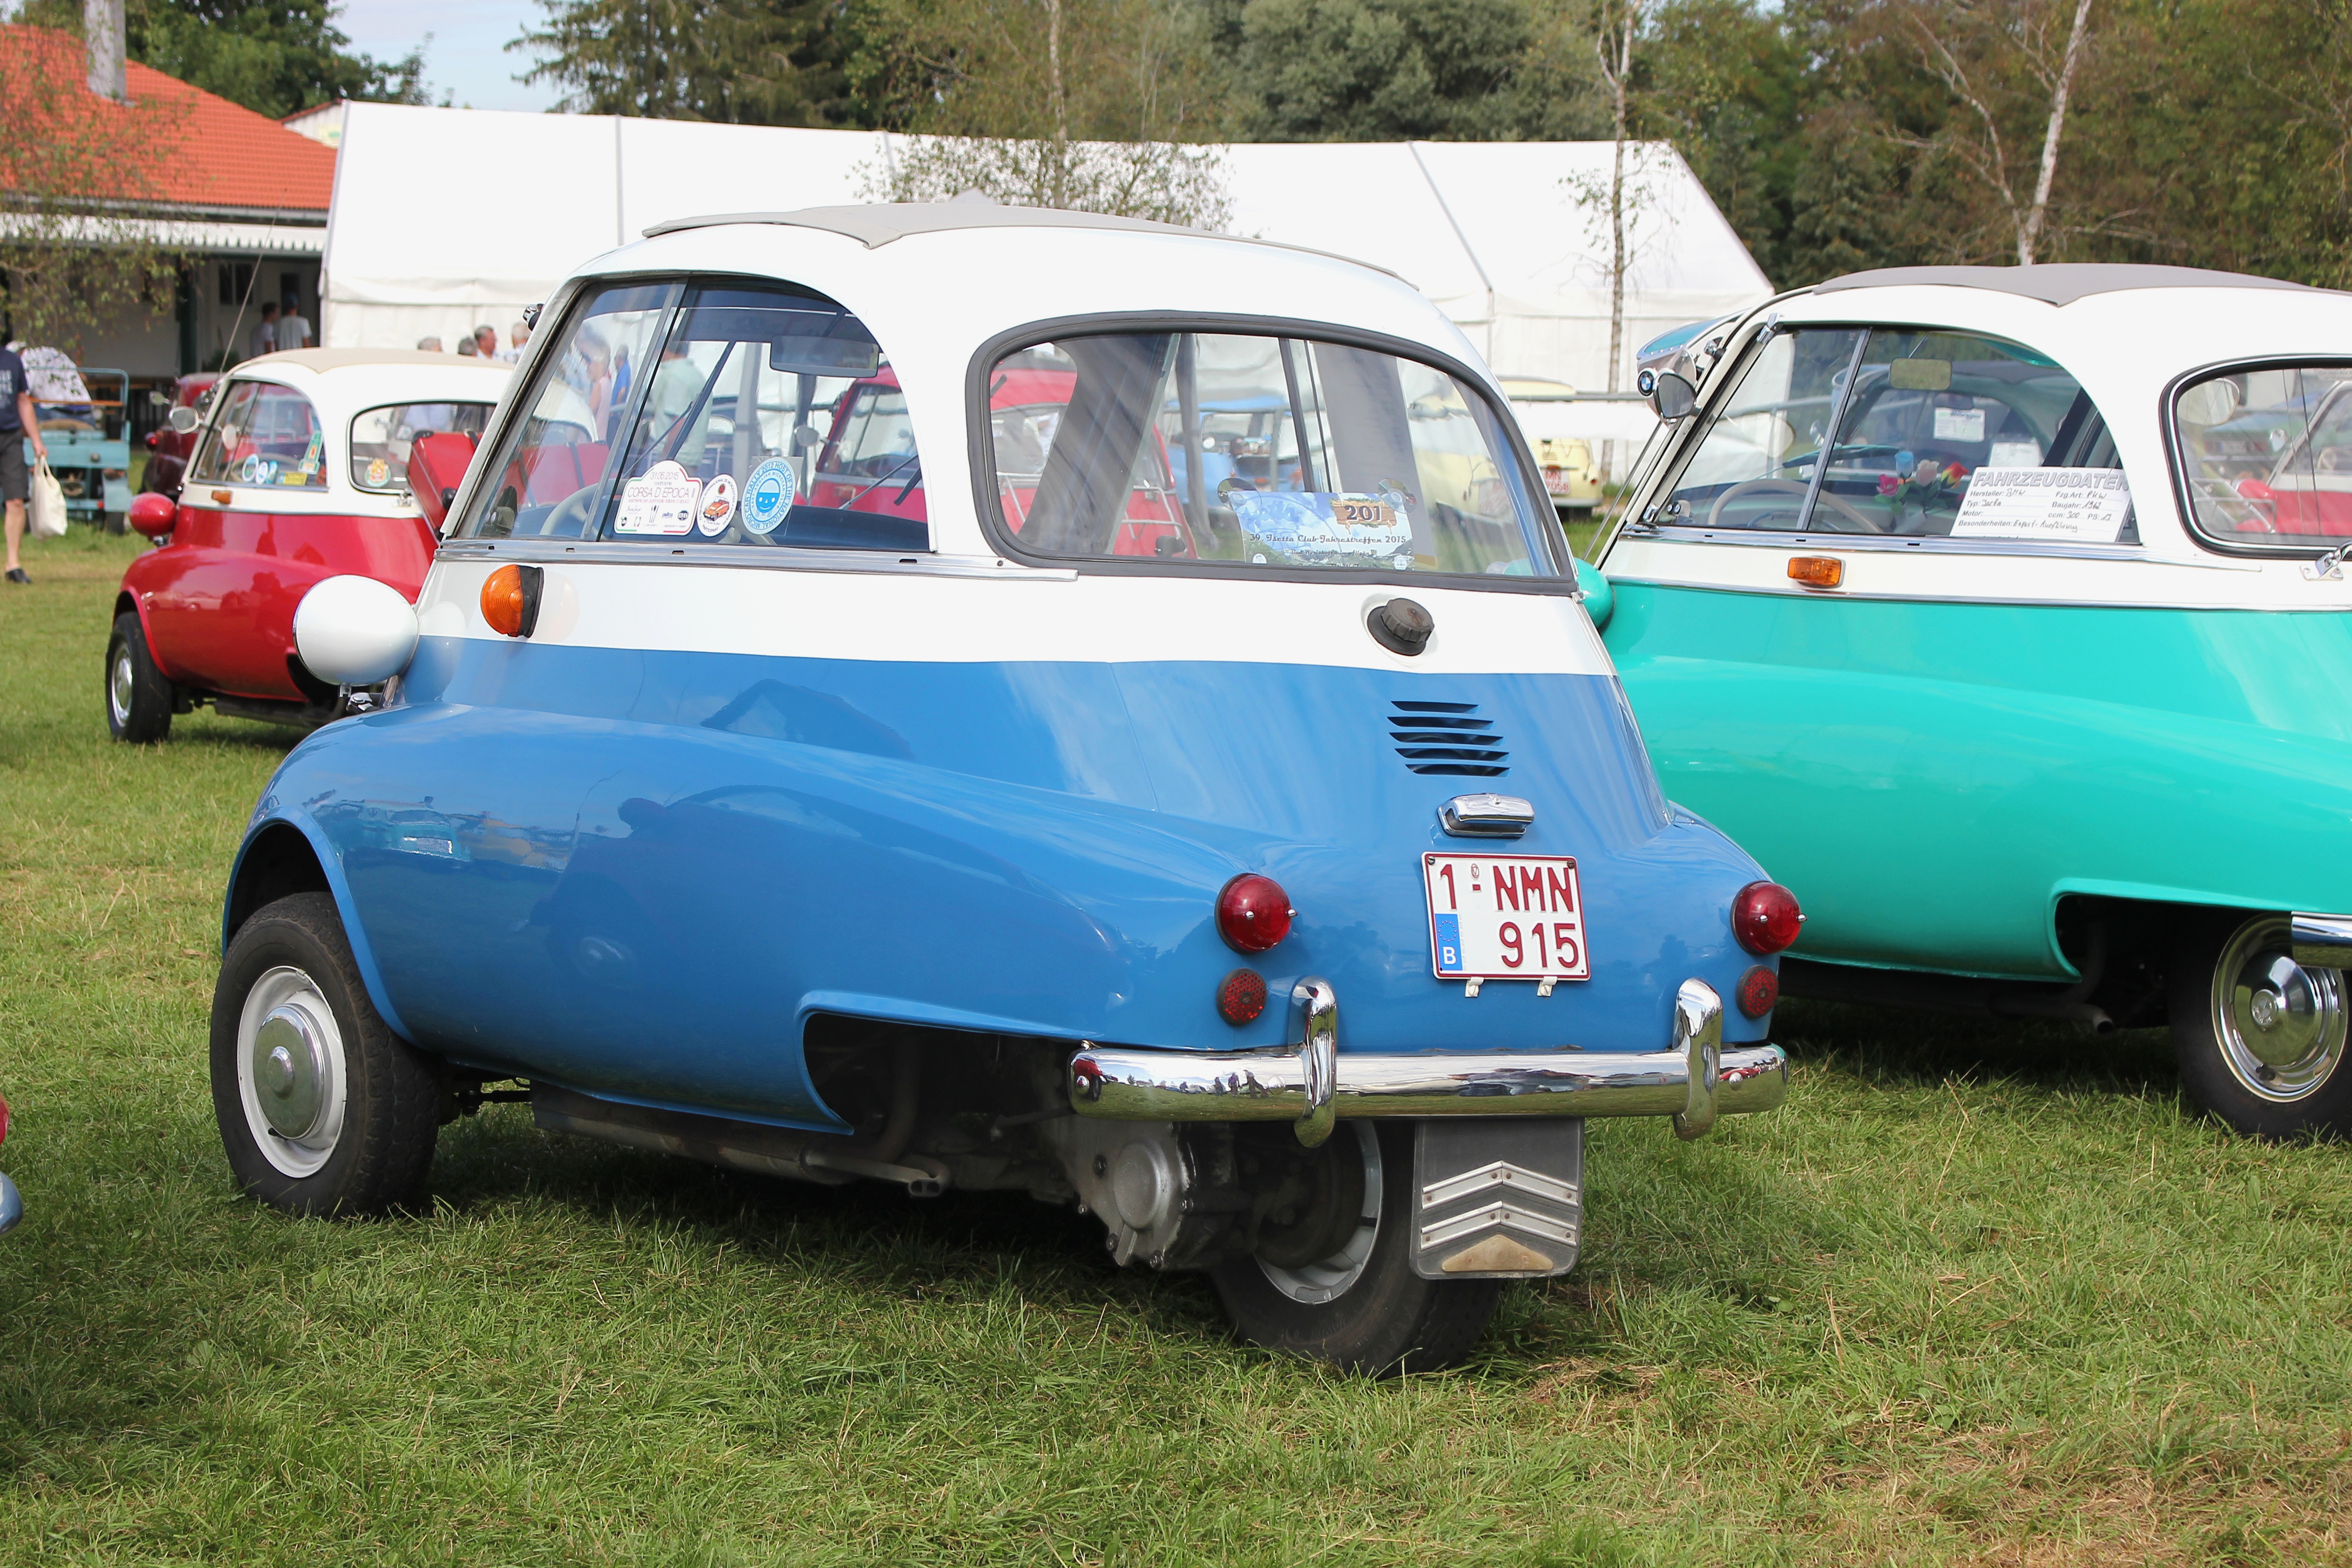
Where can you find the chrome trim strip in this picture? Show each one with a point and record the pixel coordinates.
(602, 552)
(1319, 1059)
(1497, 1216)
(1698, 1035)
(1138, 1084)
(1500, 1174)
(2322, 942)
(1948, 598)
(1926, 544)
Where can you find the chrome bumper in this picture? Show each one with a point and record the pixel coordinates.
(2322, 942)
(1695, 1080)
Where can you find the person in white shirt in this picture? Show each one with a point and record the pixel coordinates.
(265, 332)
(293, 328)
(519, 336)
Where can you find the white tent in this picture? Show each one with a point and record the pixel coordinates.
(445, 219)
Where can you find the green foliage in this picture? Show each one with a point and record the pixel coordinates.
(273, 57)
(737, 61)
(1382, 70)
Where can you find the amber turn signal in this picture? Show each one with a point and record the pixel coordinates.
(511, 600)
(1816, 571)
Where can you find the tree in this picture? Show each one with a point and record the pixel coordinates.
(273, 57)
(739, 62)
(1382, 70)
(1973, 45)
(1620, 23)
(80, 178)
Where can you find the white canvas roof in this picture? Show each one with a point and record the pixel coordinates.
(445, 219)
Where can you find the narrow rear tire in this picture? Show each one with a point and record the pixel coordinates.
(138, 698)
(1387, 1319)
(345, 1124)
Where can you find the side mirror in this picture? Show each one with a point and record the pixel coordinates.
(183, 419)
(159, 399)
(1599, 598)
(354, 631)
(153, 515)
(1672, 396)
(436, 466)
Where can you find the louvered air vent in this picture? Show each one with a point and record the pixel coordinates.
(1447, 738)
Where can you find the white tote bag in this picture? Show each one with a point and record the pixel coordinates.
(49, 505)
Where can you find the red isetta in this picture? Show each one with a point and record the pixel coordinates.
(300, 472)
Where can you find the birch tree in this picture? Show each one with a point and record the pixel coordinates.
(1971, 45)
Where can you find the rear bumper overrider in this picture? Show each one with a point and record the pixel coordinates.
(1695, 1079)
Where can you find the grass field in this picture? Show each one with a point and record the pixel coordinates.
(1976, 1295)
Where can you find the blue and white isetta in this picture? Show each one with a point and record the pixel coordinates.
(989, 697)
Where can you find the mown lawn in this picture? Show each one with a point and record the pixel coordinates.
(1977, 1295)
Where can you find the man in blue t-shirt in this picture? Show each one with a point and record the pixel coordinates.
(18, 422)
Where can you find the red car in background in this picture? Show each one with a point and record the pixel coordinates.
(298, 472)
(168, 448)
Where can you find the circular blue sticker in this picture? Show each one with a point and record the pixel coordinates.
(768, 495)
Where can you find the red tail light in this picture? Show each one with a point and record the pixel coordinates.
(1253, 913)
(1765, 917)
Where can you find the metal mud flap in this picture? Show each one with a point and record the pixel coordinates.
(1497, 1198)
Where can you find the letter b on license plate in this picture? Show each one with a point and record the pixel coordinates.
(1506, 917)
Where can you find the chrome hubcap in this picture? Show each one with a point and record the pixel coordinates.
(2281, 1025)
(1330, 1277)
(290, 1071)
(119, 686)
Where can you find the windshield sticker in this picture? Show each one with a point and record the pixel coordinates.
(661, 500)
(378, 472)
(1959, 423)
(1323, 526)
(258, 471)
(2084, 506)
(768, 495)
(718, 505)
(315, 454)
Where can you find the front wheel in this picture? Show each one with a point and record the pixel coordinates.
(323, 1110)
(1336, 1283)
(138, 698)
(2260, 1038)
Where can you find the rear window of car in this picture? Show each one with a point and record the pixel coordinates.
(1246, 452)
(381, 438)
(267, 435)
(2265, 455)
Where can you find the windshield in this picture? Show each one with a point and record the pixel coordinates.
(2266, 455)
(381, 438)
(1256, 452)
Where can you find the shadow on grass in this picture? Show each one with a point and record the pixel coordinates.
(1893, 1047)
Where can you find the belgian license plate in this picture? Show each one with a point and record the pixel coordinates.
(1506, 917)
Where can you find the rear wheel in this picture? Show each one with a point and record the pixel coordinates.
(138, 698)
(2260, 1038)
(323, 1110)
(1334, 1280)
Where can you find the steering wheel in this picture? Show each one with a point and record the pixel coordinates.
(574, 508)
(1786, 487)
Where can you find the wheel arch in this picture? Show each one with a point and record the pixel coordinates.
(282, 856)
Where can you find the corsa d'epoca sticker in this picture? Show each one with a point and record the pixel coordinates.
(768, 495)
(662, 500)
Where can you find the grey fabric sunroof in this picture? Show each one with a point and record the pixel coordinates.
(877, 223)
(2058, 282)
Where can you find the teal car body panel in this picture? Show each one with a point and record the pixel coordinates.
(1962, 734)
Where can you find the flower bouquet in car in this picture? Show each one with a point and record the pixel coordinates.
(1913, 490)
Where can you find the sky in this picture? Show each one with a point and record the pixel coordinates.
(466, 58)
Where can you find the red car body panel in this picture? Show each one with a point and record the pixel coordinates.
(218, 603)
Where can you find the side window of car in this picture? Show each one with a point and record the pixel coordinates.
(228, 434)
(1754, 466)
(771, 417)
(551, 472)
(284, 445)
(1926, 411)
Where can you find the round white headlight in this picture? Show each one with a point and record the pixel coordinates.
(354, 631)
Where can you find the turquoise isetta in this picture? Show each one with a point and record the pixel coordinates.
(2034, 688)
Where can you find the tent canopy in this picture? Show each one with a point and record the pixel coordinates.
(445, 219)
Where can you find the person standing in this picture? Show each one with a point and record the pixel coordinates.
(18, 424)
(265, 332)
(518, 335)
(293, 327)
(430, 345)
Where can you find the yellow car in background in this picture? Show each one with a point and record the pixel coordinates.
(1569, 471)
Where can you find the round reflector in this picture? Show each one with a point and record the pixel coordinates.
(1765, 917)
(1241, 997)
(1758, 989)
(1253, 913)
